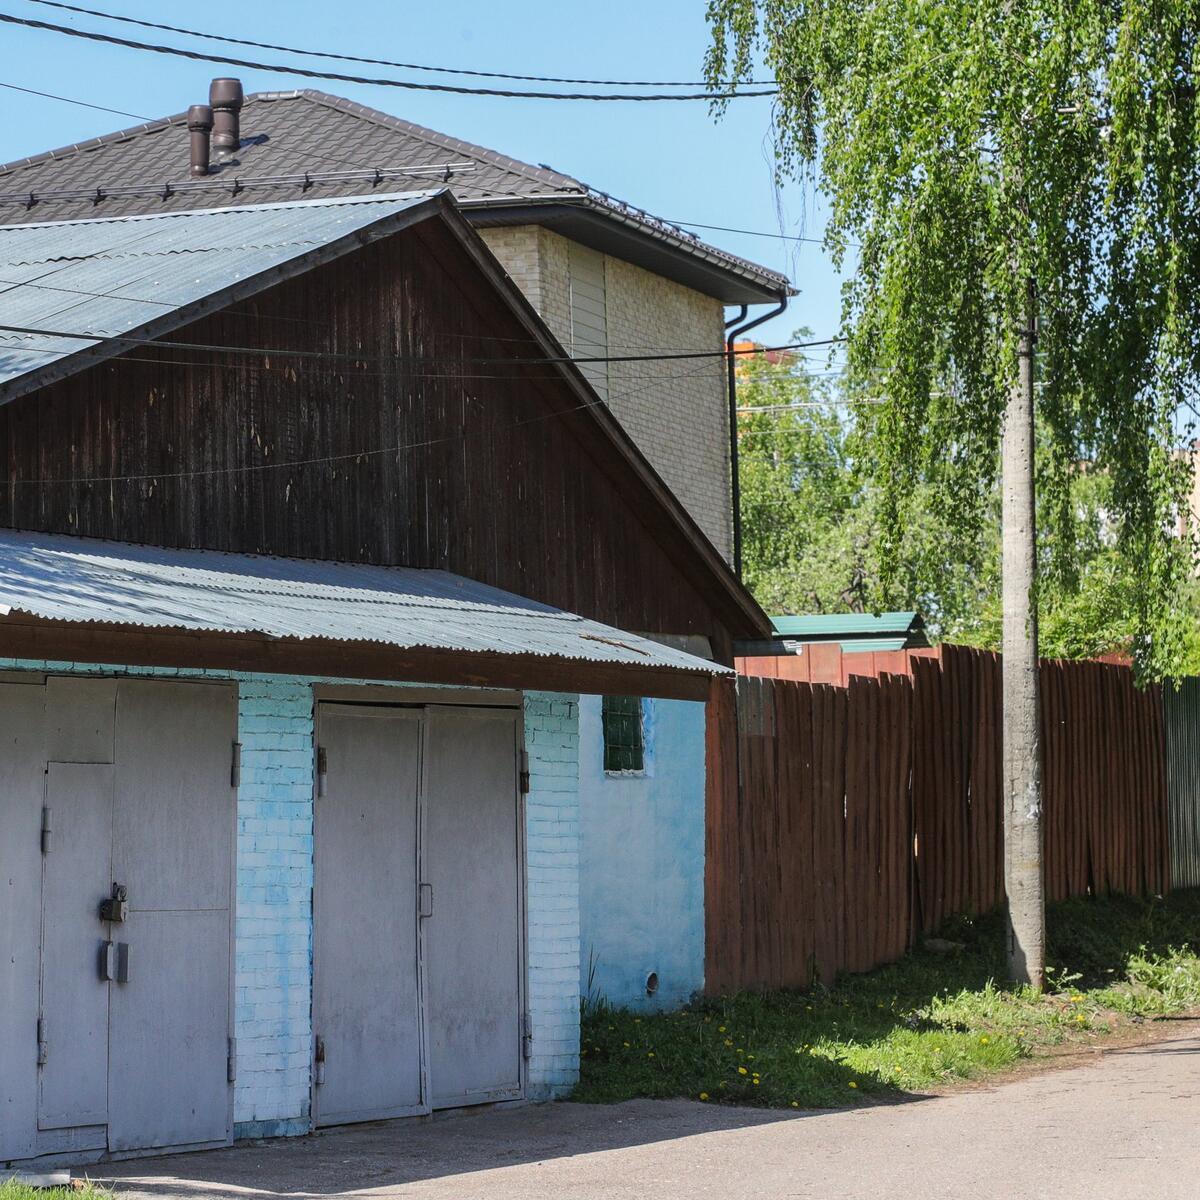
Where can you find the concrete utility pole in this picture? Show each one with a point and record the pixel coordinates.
(1023, 878)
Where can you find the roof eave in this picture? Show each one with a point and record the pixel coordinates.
(736, 596)
(106, 348)
(611, 229)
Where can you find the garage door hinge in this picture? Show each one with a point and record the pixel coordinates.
(231, 1062)
(235, 766)
(322, 769)
(524, 772)
(43, 1045)
(47, 829)
(526, 1036)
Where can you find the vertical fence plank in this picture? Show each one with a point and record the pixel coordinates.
(841, 820)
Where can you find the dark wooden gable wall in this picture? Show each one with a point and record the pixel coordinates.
(451, 454)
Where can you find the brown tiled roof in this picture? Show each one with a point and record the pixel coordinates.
(288, 135)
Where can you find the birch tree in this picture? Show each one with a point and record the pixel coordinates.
(1013, 189)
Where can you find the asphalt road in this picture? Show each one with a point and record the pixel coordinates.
(1123, 1125)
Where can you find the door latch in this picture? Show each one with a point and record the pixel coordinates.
(116, 908)
(425, 900)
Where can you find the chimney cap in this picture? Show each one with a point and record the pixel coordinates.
(200, 116)
(226, 93)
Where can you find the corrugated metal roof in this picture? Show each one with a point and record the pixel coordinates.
(84, 580)
(856, 631)
(111, 276)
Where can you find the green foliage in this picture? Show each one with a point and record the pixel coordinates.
(984, 162)
(931, 1018)
(13, 1190)
(811, 515)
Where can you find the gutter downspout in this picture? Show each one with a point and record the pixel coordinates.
(733, 332)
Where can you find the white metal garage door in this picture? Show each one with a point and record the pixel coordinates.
(418, 976)
(134, 805)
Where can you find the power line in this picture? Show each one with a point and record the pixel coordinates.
(412, 85)
(68, 100)
(483, 337)
(384, 62)
(786, 237)
(252, 468)
(347, 356)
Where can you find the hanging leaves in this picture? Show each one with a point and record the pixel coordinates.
(974, 147)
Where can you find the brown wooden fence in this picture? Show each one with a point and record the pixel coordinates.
(843, 820)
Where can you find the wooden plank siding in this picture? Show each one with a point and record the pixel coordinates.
(492, 469)
(870, 813)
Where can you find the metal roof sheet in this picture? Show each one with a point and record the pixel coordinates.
(82, 580)
(110, 276)
(835, 625)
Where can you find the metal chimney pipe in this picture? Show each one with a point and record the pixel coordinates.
(225, 96)
(200, 123)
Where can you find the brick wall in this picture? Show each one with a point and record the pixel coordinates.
(273, 946)
(273, 922)
(552, 852)
(675, 411)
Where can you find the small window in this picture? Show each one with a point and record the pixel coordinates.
(624, 748)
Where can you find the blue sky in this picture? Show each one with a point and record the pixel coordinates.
(672, 159)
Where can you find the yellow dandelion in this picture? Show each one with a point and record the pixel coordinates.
(983, 1041)
(720, 1028)
(650, 1054)
(795, 1103)
(750, 1057)
(703, 1095)
(741, 1070)
(852, 1084)
(1081, 1018)
(755, 1082)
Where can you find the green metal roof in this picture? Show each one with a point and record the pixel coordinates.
(856, 631)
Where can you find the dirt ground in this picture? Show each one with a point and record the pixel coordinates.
(1121, 1124)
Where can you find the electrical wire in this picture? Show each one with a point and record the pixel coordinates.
(68, 100)
(410, 84)
(250, 468)
(346, 356)
(384, 62)
(786, 237)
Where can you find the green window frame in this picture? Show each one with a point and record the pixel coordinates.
(624, 735)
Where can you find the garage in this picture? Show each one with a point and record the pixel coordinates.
(418, 854)
(117, 866)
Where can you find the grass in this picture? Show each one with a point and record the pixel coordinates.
(932, 1018)
(12, 1190)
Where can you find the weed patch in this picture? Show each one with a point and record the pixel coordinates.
(931, 1018)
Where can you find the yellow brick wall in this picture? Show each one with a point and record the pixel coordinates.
(675, 411)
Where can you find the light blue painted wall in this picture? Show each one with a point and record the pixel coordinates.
(273, 921)
(642, 860)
